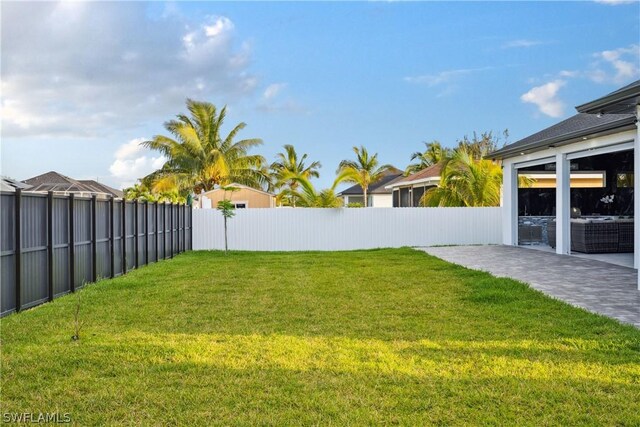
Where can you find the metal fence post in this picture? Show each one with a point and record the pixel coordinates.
(94, 238)
(72, 245)
(184, 228)
(50, 242)
(135, 233)
(171, 211)
(124, 236)
(112, 236)
(18, 248)
(157, 226)
(146, 232)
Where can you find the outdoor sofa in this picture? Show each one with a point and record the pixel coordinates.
(597, 235)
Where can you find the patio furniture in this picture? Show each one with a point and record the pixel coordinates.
(551, 233)
(529, 234)
(625, 235)
(592, 237)
(597, 236)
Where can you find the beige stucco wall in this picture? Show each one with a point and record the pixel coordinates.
(253, 198)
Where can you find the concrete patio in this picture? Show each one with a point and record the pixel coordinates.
(599, 287)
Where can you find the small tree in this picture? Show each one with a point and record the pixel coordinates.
(77, 323)
(227, 210)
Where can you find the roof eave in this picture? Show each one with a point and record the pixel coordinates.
(609, 102)
(602, 130)
(416, 181)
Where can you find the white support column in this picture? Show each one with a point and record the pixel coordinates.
(636, 196)
(509, 204)
(563, 190)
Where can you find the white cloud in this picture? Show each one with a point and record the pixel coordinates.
(133, 161)
(74, 69)
(569, 73)
(521, 43)
(221, 24)
(442, 77)
(545, 97)
(272, 102)
(273, 90)
(616, 66)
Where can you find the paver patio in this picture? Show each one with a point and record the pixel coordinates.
(596, 286)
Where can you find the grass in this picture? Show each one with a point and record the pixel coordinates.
(364, 337)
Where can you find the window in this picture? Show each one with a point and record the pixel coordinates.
(240, 205)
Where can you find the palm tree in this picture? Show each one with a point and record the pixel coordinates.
(138, 192)
(288, 170)
(199, 158)
(364, 171)
(466, 181)
(309, 197)
(434, 153)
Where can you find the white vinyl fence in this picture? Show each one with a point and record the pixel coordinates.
(301, 229)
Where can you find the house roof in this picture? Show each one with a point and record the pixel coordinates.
(570, 130)
(623, 100)
(98, 187)
(54, 181)
(10, 185)
(428, 174)
(614, 112)
(246, 187)
(376, 188)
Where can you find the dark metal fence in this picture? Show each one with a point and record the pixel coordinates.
(53, 244)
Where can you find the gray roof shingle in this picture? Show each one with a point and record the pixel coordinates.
(376, 188)
(578, 126)
(54, 181)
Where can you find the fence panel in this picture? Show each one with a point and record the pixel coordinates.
(61, 275)
(174, 229)
(151, 234)
(130, 235)
(161, 230)
(302, 229)
(117, 237)
(83, 246)
(141, 231)
(7, 253)
(58, 243)
(34, 269)
(103, 239)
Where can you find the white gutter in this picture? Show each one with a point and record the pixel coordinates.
(430, 180)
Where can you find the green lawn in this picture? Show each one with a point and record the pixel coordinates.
(365, 337)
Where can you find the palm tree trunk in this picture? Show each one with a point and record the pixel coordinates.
(226, 248)
(365, 196)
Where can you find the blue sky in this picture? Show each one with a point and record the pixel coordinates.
(83, 83)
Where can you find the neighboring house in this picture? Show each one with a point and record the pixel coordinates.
(10, 185)
(244, 198)
(590, 163)
(54, 181)
(378, 196)
(408, 191)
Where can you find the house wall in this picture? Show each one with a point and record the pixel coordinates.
(346, 229)
(559, 155)
(381, 201)
(255, 199)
